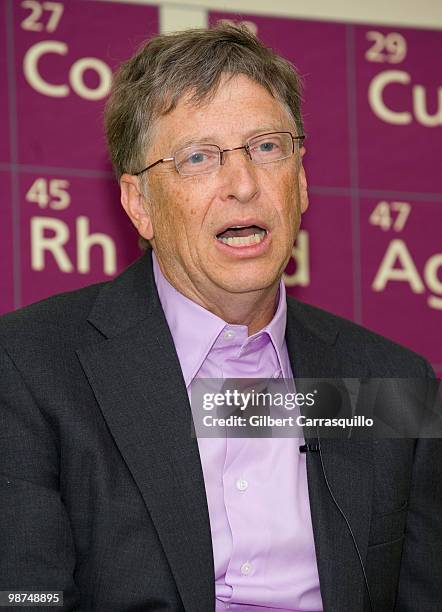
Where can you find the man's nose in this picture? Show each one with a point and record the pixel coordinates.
(238, 175)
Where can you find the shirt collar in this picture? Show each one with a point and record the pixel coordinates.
(195, 329)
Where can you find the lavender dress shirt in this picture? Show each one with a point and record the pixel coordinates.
(257, 495)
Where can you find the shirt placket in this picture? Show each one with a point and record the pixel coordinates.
(245, 501)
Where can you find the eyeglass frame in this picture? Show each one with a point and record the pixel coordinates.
(246, 147)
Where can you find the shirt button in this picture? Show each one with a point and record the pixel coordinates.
(277, 374)
(241, 484)
(246, 568)
(229, 334)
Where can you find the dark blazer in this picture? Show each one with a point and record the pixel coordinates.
(101, 488)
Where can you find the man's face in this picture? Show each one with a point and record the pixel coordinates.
(186, 214)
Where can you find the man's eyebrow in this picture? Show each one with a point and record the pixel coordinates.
(194, 140)
(213, 139)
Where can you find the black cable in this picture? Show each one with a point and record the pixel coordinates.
(346, 521)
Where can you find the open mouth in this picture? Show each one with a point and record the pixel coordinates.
(242, 235)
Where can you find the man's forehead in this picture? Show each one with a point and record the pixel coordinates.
(226, 87)
(238, 104)
(230, 89)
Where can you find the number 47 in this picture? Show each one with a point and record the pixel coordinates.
(382, 216)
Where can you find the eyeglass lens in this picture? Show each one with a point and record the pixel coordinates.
(263, 149)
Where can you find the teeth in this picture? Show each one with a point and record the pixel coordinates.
(237, 241)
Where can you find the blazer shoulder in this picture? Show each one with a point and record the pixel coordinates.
(56, 317)
(384, 356)
(78, 317)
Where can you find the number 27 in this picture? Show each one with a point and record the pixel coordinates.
(32, 21)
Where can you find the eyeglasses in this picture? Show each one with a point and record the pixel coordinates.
(200, 158)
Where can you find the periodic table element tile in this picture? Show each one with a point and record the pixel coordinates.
(4, 90)
(402, 273)
(320, 270)
(74, 233)
(399, 93)
(318, 50)
(6, 247)
(65, 57)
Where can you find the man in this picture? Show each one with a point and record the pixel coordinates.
(104, 493)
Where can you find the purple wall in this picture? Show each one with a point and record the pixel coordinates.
(370, 247)
(59, 188)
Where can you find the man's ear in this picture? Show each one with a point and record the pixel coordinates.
(134, 203)
(302, 181)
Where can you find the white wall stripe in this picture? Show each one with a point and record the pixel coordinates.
(173, 17)
(422, 14)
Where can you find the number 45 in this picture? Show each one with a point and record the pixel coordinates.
(51, 193)
(382, 217)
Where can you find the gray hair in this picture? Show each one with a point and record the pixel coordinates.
(166, 67)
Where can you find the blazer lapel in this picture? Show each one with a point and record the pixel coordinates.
(137, 381)
(348, 466)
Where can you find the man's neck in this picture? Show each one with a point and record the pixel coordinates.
(254, 309)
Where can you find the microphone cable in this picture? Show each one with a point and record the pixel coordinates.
(317, 448)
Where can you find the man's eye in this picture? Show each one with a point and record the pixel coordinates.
(267, 147)
(197, 158)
